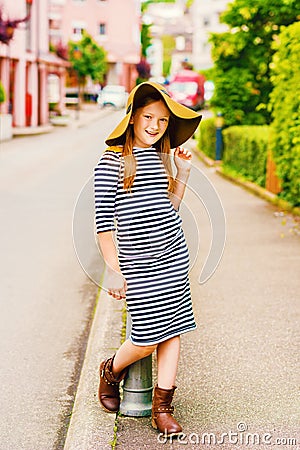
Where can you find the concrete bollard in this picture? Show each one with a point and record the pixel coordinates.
(137, 387)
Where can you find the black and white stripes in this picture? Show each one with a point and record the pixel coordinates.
(152, 250)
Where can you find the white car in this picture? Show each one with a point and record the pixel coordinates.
(113, 95)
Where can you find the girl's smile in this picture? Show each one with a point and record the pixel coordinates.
(149, 124)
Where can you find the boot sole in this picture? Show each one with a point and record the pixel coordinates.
(179, 433)
(107, 410)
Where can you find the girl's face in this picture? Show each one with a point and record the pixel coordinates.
(149, 124)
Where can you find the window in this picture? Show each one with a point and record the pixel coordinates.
(78, 30)
(78, 26)
(102, 29)
(206, 21)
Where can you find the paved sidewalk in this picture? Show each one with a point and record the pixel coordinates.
(88, 113)
(239, 371)
(91, 427)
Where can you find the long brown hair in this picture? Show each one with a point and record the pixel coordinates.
(162, 146)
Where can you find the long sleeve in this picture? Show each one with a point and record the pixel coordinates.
(106, 175)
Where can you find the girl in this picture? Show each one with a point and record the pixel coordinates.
(149, 267)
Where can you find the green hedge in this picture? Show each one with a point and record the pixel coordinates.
(245, 151)
(207, 137)
(285, 102)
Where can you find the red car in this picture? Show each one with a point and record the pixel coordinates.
(187, 88)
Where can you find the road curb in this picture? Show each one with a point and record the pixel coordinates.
(69, 121)
(90, 427)
(32, 131)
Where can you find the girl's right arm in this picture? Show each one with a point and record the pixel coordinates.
(105, 186)
(114, 281)
(108, 249)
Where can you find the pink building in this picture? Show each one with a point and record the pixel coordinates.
(25, 64)
(32, 77)
(114, 24)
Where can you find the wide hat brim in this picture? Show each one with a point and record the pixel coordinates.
(182, 127)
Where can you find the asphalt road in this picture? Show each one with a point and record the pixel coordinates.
(46, 297)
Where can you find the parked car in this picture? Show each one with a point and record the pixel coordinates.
(187, 88)
(112, 95)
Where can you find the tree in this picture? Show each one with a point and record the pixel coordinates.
(168, 42)
(144, 70)
(143, 66)
(285, 108)
(243, 55)
(88, 59)
(145, 3)
(146, 39)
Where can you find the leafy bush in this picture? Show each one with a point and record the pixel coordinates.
(169, 45)
(242, 57)
(2, 93)
(285, 104)
(88, 58)
(245, 151)
(207, 137)
(237, 97)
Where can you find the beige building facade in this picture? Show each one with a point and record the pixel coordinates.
(114, 24)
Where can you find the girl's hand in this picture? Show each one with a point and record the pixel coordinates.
(182, 159)
(116, 284)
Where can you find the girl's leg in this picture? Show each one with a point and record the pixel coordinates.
(167, 362)
(113, 370)
(129, 353)
(162, 411)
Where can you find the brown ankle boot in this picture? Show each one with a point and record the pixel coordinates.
(109, 394)
(162, 412)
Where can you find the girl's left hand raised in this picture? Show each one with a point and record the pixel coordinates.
(182, 159)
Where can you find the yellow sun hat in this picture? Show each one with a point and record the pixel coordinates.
(182, 127)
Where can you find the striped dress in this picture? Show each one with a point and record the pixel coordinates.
(152, 250)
